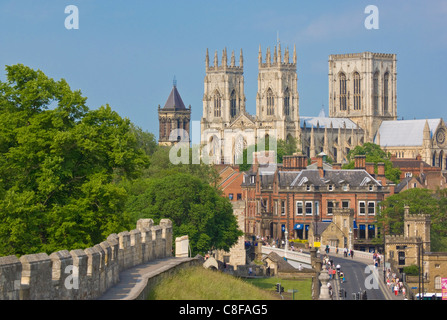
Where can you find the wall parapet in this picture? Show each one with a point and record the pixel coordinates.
(83, 274)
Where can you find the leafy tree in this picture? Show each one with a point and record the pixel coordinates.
(391, 213)
(375, 154)
(59, 165)
(195, 208)
(283, 148)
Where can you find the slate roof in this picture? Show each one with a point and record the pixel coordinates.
(336, 177)
(283, 265)
(174, 101)
(404, 132)
(324, 122)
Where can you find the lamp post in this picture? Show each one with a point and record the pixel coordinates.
(286, 247)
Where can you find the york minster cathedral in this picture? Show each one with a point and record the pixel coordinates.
(362, 108)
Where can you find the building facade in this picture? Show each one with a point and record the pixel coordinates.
(292, 197)
(174, 120)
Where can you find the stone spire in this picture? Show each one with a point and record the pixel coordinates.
(294, 54)
(260, 56)
(233, 61)
(224, 57)
(207, 59)
(216, 61)
(241, 60)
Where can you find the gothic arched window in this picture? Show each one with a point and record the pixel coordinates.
(217, 105)
(357, 90)
(386, 79)
(287, 102)
(343, 91)
(270, 103)
(233, 110)
(376, 92)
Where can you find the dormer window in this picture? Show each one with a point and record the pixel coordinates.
(345, 187)
(307, 187)
(371, 187)
(330, 187)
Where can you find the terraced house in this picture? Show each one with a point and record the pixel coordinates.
(296, 196)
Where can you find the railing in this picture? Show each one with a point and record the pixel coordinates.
(291, 255)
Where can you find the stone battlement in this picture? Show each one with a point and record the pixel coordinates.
(83, 274)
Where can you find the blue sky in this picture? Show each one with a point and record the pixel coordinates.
(126, 53)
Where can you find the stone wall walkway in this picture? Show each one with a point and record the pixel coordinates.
(135, 283)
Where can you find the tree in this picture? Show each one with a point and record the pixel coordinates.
(391, 214)
(59, 166)
(195, 208)
(283, 148)
(374, 154)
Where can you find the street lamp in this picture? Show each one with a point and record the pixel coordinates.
(286, 243)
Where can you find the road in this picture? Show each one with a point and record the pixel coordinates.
(358, 278)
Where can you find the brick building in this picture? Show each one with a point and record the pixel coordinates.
(292, 197)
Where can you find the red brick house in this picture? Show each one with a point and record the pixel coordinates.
(291, 196)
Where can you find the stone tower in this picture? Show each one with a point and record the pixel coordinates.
(277, 100)
(174, 120)
(223, 97)
(418, 226)
(362, 87)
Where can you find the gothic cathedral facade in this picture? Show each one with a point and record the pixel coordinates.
(226, 127)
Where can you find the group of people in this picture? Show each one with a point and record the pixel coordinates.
(394, 283)
(346, 251)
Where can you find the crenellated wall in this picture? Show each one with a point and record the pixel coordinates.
(83, 274)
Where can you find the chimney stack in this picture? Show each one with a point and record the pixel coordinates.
(360, 162)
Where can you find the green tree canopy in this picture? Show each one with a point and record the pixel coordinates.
(374, 154)
(58, 164)
(195, 208)
(283, 148)
(391, 213)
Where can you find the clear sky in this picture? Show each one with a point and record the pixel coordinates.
(126, 53)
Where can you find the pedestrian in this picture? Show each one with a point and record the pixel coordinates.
(250, 270)
(396, 290)
(336, 250)
(352, 253)
(338, 268)
(342, 277)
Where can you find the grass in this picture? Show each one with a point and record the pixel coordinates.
(198, 283)
(303, 286)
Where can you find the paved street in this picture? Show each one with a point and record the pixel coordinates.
(359, 278)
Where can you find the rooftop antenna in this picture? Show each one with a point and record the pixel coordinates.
(174, 82)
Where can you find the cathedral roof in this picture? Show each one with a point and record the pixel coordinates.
(404, 132)
(174, 100)
(325, 122)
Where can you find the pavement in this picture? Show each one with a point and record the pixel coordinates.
(134, 280)
(387, 292)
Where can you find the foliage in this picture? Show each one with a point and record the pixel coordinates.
(412, 270)
(391, 213)
(195, 208)
(58, 166)
(375, 154)
(283, 148)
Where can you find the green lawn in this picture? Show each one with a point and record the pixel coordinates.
(304, 286)
(197, 283)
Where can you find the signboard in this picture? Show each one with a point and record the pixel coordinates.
(317, 244)
(444, 288)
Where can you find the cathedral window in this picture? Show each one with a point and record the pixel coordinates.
(217, 105)
(270, 103)
(357, 88)
(376, 92)
(233, 110)
(287, 102)
(386, 79)
(343, 91)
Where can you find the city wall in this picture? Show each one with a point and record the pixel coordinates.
(83, 274)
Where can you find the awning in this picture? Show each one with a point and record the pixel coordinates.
(298, 226)
(355, 225)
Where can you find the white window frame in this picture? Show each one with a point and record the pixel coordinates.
(311, 208)
(364, 208)
(283, 213)
(331, 213)
(302, 208)
(374, 207)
